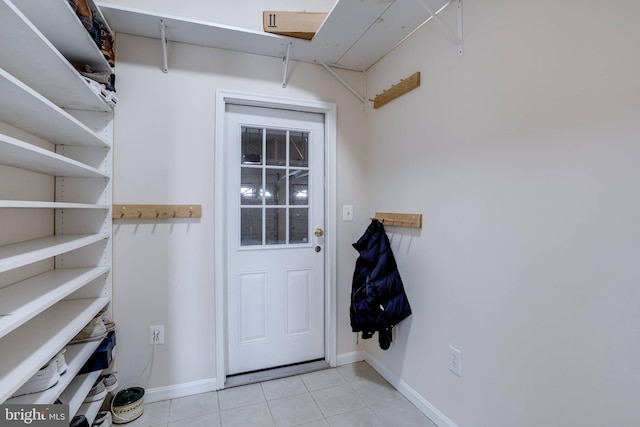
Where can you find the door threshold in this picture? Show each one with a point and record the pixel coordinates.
(275, 373)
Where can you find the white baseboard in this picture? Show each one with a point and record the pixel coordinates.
(179, 390)
(353, 357)
(411, 394)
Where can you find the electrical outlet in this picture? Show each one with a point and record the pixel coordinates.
(455, 361)
(156, 334)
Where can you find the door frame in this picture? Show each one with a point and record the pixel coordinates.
(224, 97)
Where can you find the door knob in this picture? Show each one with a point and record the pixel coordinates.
(319, 232)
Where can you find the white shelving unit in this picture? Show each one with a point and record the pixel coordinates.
(16, 153)
(75, 356)
(58, 74)
(55, 197)
(30, 297)
(75, 43)
(19, 104)
(37, 341)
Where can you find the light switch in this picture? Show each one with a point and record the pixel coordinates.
(347, 212)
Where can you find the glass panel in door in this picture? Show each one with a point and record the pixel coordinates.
(274, 188)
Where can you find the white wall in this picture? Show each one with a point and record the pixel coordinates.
(523, 157)
(164, 153)
(238, 13)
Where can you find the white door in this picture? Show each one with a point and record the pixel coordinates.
(275, 211)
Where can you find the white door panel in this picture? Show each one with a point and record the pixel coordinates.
(275, 271)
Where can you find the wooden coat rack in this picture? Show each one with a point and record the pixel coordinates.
(405, 85)
(408, 220)
(156, 211)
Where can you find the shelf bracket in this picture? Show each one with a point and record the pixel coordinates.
(163, 40)
(456, 37)
(345, 84)
(285, 67)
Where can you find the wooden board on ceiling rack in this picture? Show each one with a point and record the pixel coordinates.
(156, 211)
(301, 25)
(409, 220)
(405, 85)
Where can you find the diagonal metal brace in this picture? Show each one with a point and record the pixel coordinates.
(456, 37)
(285, 67)
(344, 83)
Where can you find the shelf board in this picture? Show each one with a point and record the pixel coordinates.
(25, 253)
(22, 155)
(19, 104)
(60, 83)
(75, 357)
(77, 391)
(28, 204)
(90, 410)
(61, 26)
(37, 341)
(22, 301)
(355, 34)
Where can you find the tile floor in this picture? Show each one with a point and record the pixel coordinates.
(350, 395)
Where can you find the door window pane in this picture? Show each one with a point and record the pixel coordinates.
(276, 226)
(251, 188)
(299, 187)
(299, 225)
(276, 187)
(250, 226)
(276, 147)
(251, 139)
(298, 149)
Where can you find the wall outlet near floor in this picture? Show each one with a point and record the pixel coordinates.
(156, 334)
(455, 361)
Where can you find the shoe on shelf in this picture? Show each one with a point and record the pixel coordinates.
(107, 78)
(108, 323)
(97, 392)
(44, 379)
(93, 331)
(84, 13)
(79, 421)
(104, 40)
(110, 382)
(61, 364)
(103, 419)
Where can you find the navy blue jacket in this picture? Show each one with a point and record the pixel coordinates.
(378, 300)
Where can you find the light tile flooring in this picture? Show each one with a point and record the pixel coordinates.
(350, 395)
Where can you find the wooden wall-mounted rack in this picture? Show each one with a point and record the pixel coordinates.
(399, 219)
(156, 211)
(405, 85)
